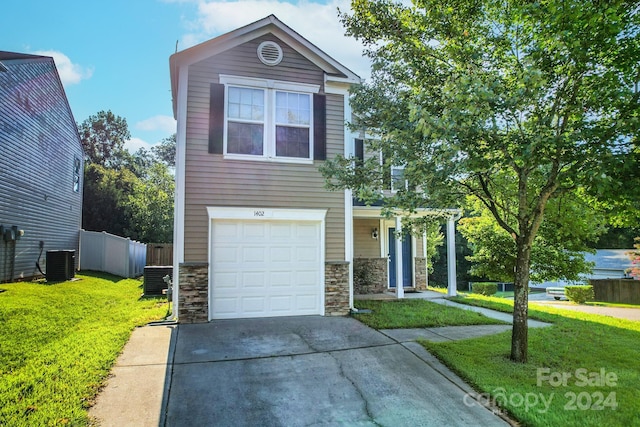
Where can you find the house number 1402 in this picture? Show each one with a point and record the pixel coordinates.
(258, 213)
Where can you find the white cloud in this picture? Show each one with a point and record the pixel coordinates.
(134, 144)
(69, 72)
(316, 22)
(161, 123)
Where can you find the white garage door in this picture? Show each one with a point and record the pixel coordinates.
(263, 268)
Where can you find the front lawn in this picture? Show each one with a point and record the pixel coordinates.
(416, 313)
(582, 371)
(59, 341)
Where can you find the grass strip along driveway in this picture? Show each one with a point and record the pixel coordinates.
(584, 370)
(416, 313)
(58, 342)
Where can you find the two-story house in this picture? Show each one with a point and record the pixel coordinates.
(256, 232)
(41, 161)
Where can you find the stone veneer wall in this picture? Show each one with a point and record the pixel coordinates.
(420, 276)
(193, 297)
(336, 292)
(370, 275)
(193, 300)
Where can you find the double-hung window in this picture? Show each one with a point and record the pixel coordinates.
(245, 121)
(268, 120)
(398, 180)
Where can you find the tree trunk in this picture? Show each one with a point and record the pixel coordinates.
(520, 332)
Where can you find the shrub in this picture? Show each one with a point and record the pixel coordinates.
(579, 294)
(484, 288)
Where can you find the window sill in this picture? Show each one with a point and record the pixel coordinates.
(268, 159)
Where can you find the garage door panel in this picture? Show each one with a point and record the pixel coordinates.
(227, 231)
(306, 302)
(265, 268)
(253, 230)
(227, 279)
(253, 305)
(306, 278)
(281, 279)
(306, 253)
(225, 306)
(281, 254)
(226, 253)
(282, 232)
(279, 304)
(254, 254)
(253, 279)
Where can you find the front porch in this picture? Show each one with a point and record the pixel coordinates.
(381, 261)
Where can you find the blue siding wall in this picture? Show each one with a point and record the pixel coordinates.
(39, 144)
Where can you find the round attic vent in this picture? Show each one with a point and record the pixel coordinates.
(270, 53)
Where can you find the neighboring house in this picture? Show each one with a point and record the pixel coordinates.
(607, 264)
(41, 162)
(256, 232)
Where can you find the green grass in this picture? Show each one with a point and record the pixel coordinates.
(416, 313)
(59, 341)
(575, 341)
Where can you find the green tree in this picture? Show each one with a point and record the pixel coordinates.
(165, 151)
(104, 199)
(150, 206)
(103, 136)
(139, 163)
(515, 103)
(569, 229)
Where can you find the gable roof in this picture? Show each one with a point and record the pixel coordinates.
(12, 56)
(271, 24)
(6, 56)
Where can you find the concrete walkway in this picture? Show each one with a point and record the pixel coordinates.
(134, 392)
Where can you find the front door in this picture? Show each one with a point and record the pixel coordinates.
(407, 256)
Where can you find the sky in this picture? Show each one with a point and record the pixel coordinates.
(114, 54)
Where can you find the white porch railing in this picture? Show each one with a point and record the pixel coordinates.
(101, 251)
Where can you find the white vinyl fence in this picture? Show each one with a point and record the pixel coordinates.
(111, 254)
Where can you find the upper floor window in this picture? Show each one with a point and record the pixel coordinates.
(393, 177)
(76, 173)
(269, 120)
(398, 181)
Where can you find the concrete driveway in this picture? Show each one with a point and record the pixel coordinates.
(310, 371)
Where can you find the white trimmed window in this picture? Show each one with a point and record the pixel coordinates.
(268, 120)
(398, 181)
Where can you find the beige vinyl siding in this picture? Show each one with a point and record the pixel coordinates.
(212, 181)
(363, 244)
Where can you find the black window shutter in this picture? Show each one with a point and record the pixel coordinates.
(386, 174)
(216, 119)
(319, 127)
(359, 151)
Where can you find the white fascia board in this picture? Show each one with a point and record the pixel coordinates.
(328, 78)
(376, 212)
(261, 213)
(179, 201)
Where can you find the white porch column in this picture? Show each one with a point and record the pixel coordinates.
(399, 281)
(426, 259)
(451, 257)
